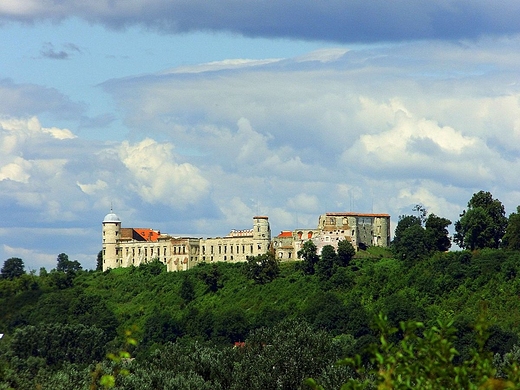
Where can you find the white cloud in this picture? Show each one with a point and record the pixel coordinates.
(157, 178)
(16, 171)
(91, 189)
(32, 258)
(304, 203)
(59, 133)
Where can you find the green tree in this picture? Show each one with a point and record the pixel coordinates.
(309, 257)
(437, 231)
(345, 253)
(211, 276)
(410, 240)
(283, 356)
(262, 268)
(413, 241)
(67, 266)
(161, 328)
(427, 361)
(99, 261)
(511, 239)
(483, 224)
(13, 268)
(405, 222)
(230, 326)
(326, 263)
(187, 290)
(59, 343)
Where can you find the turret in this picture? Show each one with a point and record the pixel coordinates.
(261, 235)
(111, 239)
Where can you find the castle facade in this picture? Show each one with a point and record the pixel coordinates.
(124, 247)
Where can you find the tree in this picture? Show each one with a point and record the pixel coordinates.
(345, 253)
(67, 266)
(326, 263)
(161, 328)
(409, 238)
(413, 244)
(99, 261)
(511, 239)
(187, 290)
(211, 275)
(13, 268)
(413, 241)
(426, 359)
(405, 222)
(483, 224)
(437, 230)
(309, 257)
(262, 268)
(281, 357)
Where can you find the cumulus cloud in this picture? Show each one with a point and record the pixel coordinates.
(158, 178)
(340, 21)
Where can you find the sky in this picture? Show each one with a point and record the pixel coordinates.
(191, 117)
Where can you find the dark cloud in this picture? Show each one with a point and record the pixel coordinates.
(336, 20)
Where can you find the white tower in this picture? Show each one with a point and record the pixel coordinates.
(111, 239)
(261, 235)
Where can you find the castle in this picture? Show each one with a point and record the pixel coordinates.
(124, 247)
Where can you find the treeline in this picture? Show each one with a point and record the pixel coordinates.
(482, 225)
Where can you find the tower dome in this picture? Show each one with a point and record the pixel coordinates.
(111, 217)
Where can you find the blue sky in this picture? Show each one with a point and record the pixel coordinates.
(191, 117)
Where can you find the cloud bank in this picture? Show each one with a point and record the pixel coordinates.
(338, 21)
(210, 145)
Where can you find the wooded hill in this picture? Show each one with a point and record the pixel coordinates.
(58, 325)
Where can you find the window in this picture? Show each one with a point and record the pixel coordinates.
(289, 255)
(219, 249)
